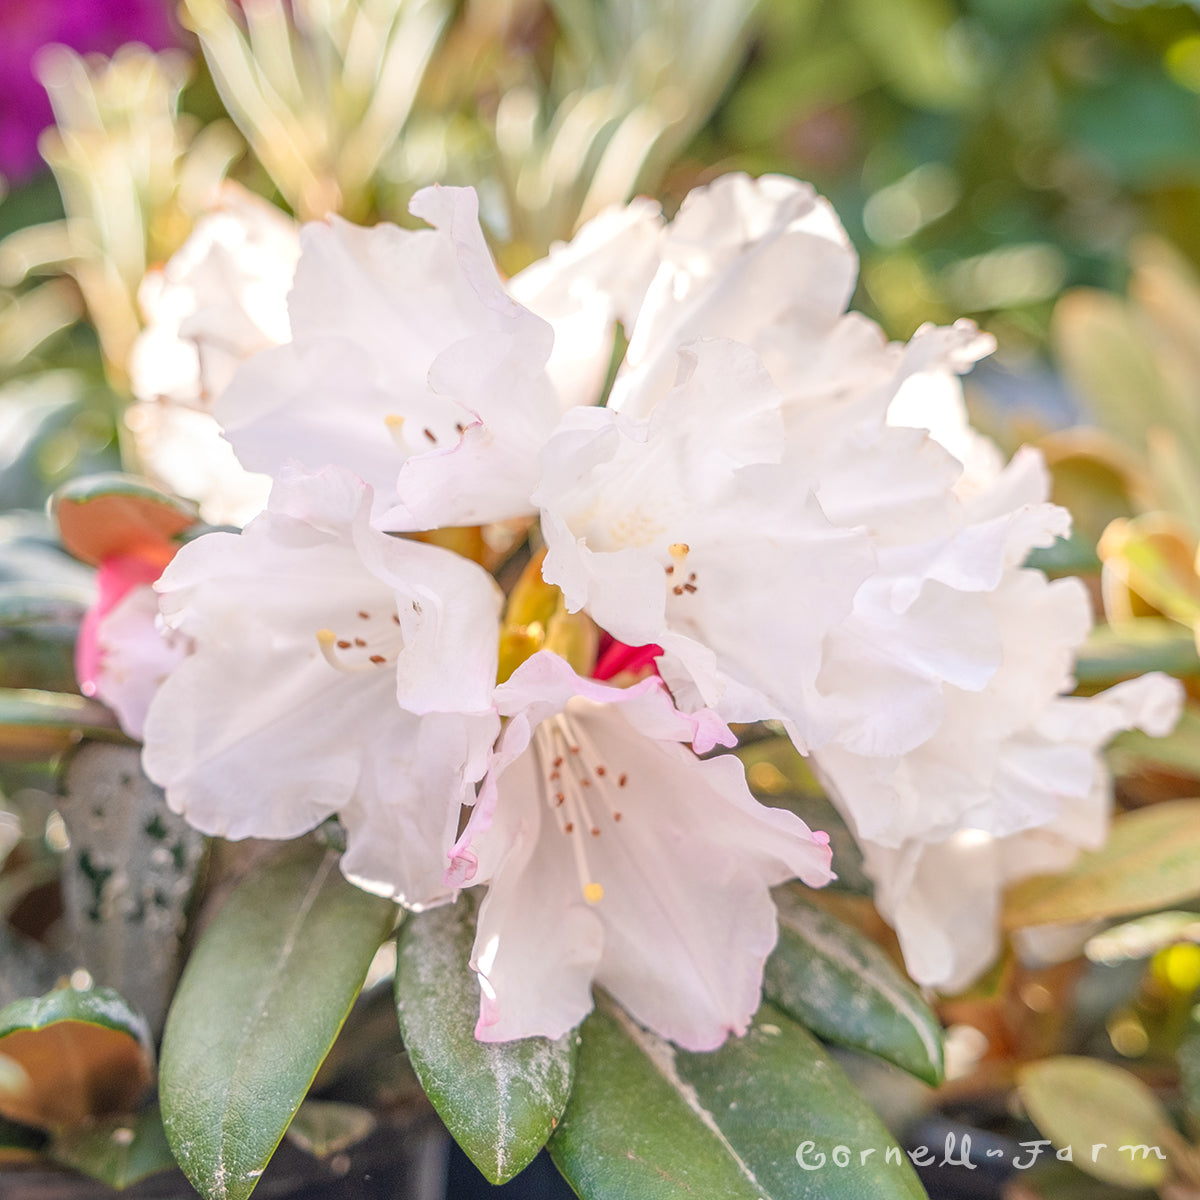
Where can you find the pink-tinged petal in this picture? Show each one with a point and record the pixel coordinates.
(115, 578)
(614, 851)
(535, 957)
(135, 654)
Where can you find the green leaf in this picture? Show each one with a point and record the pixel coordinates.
(326, 1127)
(842, 986)
(1151, 860)
(119, 1151)
(1147, 644)
(1083, 1103)
(776, 1090)
(261, 1000)
(1188, 1058)
(38, 725)
(72, 1055)
(500, 1101)
(630, 1131)
(650, 1122)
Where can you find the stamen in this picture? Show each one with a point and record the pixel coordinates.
(328, 641)
(395, 427)
(430, 435)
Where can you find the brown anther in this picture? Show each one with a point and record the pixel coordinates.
(559, 799)
(689, 587)
(671, 569)
(430, 435)
(585, 783)
(573, 749)
(558, 762)
(568, 828)
(616, 816)
(343, 645)
(366, 616)
(359, 643)
(595, 833)
(601, 771)
(395, 619)
(555, 775)
(621, 781)
(460, 427)
(378, 658)
(677, 590)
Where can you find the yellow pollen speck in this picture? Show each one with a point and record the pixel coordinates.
(593, 893)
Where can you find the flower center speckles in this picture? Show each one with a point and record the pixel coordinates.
(681, 581)
(373, 640)
(580, 789)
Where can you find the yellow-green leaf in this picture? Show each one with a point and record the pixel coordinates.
(1113, 1123)
(1152, 860)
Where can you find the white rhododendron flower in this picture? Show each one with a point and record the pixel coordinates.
(410, 365)
(341, 670)
(943, 897)
(613, 854)
(786, 513)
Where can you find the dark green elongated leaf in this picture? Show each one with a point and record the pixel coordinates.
(38, 725)
(775, 1091)
(629, 1130)
(72, 1055)
(842, 986)
(261, 1000)
(118, 1152)
(654, 1123)
(500, 1101)
(1151, 859)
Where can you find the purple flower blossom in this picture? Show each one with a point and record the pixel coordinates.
(84, 25)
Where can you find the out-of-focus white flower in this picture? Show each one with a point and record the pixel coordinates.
(613, 854)
(410, 365)
(334, 669)
(943, 897)
(220, 299)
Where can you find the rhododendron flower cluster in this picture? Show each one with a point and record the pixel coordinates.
(782, 512)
